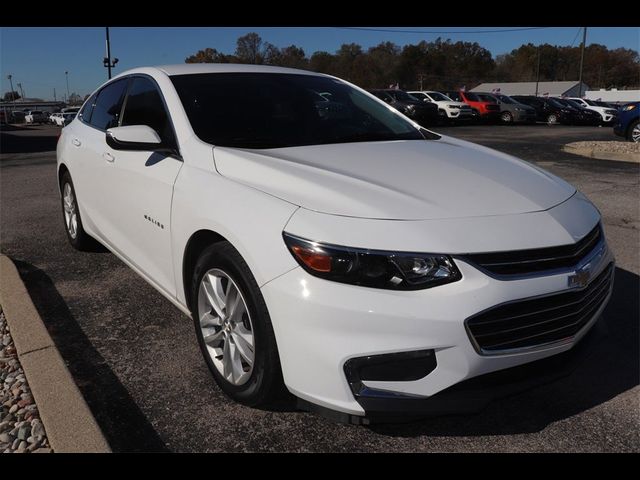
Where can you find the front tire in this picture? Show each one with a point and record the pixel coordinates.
(233, 327)
(552, 119)
(634, 132)
(76, 235)
(506, 117)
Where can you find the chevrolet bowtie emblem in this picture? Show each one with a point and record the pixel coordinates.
(581, 278)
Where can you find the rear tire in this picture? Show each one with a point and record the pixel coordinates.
(255, 380)
(633, 134)
(506, 117)
(78, 238)
(552, 119)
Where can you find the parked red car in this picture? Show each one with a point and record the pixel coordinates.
(487, 111)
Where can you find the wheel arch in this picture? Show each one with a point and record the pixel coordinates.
(198, 241)
(62, 169)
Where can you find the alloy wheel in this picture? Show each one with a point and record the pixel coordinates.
(635, 133)
(226, 328)
(70, 210)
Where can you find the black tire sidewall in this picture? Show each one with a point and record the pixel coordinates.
(266, 371)
(81, 240)
(633, 125)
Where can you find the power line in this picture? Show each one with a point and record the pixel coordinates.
(576, 37)
(440, 31)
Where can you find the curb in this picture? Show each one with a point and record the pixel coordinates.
(600, 155)
(68, 421)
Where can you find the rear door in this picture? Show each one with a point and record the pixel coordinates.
(138, 204)
(88, 147)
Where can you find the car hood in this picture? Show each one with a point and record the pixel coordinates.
(400, 180)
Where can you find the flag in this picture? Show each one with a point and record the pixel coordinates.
(463, 88)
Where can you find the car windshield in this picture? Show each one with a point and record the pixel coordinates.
(574, 104)
(505, 99)
(556, 103)
(590, 102)
(403, 96)
(486, 98)
(438, 97)
(472, 97)
(276, 110)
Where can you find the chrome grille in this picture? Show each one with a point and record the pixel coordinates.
(538, 321)
(522, 262)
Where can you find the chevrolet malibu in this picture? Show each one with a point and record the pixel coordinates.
(324, 243)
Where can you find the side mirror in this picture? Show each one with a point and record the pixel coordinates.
(134, 137)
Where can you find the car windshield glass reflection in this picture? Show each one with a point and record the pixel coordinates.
(273, 110)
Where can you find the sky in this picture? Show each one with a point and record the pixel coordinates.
(38, 58)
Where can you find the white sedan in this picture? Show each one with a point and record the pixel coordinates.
(336, 249)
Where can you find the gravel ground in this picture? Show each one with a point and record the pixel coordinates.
(21, 430)
(608, 146)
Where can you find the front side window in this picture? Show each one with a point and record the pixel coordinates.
(144, 106)
(106, 112)
(85, 113)
(277, 110)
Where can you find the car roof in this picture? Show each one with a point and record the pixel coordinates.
(197, 68)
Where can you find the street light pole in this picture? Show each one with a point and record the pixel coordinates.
(538, 71)
(13, 98)
(66, 73)
(21, 90)
(584, 41)
(107, 60)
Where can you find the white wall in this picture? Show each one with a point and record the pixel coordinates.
(618, 96)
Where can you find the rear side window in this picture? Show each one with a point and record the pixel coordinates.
(454, 96)
(85, 113)
(144, 106)
(106, 111)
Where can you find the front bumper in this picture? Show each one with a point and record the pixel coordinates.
(321, 325)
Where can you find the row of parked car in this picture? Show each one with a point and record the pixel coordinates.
(430, 107)
(39, 117)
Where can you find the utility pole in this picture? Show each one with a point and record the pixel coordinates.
(13, 98)
(21, 90)
(538, 71)
(66, 74)
(584, 41)
(107, 60)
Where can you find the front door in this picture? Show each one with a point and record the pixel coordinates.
(141, 188)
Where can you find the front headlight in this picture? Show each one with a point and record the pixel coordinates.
(372, 268)
(518, 109)
(626, 108)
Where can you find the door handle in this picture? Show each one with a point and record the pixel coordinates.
(76, 142)
(108, 157)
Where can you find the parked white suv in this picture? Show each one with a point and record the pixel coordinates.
(608, 115)
(36, 116)
(57, 118)
(446, 107)
(341, 251)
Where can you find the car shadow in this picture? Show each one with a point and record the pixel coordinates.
(611, 368)
(27, 143)
(123, 423)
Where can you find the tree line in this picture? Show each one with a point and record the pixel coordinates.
(441, 64)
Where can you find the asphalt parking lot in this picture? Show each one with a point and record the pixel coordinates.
(135, 358)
